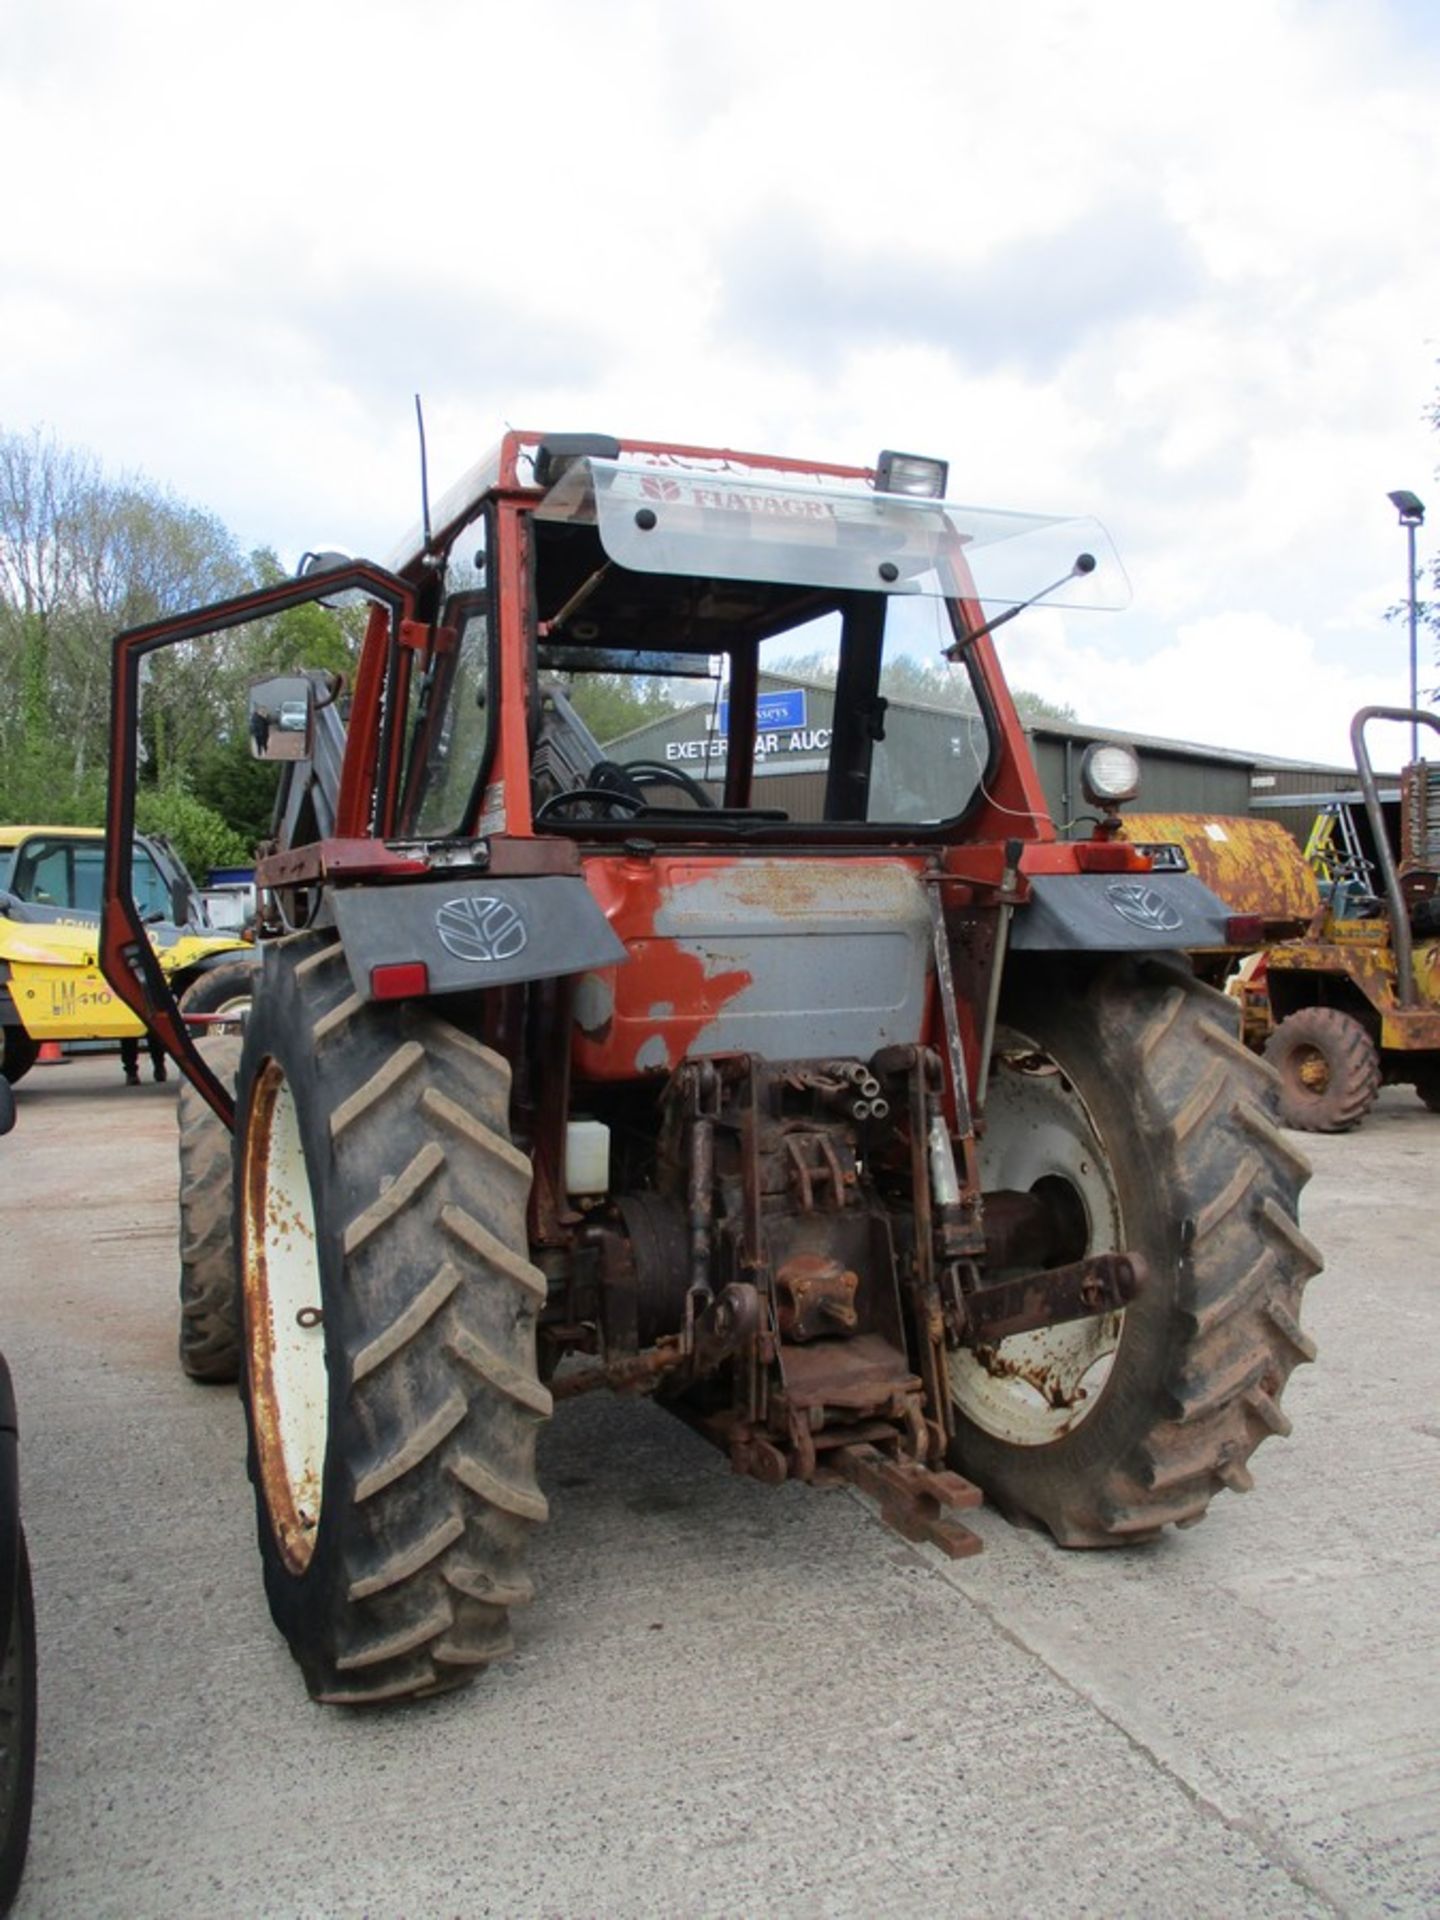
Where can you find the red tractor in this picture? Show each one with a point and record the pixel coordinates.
(880, 1136)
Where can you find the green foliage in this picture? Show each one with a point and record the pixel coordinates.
(612, 704)
(240, 790)
(925, 683)
(198, 833)
(82, 557)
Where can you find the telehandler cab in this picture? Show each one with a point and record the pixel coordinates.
(892, 1145)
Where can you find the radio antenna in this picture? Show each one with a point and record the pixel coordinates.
(424, 472)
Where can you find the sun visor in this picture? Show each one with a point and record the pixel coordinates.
(728, 526)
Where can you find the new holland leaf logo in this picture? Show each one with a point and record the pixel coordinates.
(481, 929)
(1143, 907)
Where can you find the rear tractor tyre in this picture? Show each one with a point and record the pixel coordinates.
(1135, 1095)
(209, 1311)
(1329, 1070)
(389, 1314)
(1427, 1084)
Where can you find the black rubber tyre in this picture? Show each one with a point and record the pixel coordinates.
(1329, 1070)
(209, 1309)
(383, 1133)
(1152, 1110)
(21, 1053)
(222, 990)
(1427, 1083)
(18, 1718)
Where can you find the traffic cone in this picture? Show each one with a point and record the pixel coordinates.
(50, 1054)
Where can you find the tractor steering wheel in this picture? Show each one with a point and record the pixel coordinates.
(659, 773)
(606, 797)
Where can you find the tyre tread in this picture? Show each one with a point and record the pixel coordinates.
(428, 1511)
(1230, 1337)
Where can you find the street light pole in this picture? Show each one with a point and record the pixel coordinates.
(1411, 509)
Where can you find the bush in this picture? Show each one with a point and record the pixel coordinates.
(201, 837)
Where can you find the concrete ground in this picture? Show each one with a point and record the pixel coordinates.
(728, 1700)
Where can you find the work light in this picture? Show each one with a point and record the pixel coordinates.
(1109, 774)
(912, 473)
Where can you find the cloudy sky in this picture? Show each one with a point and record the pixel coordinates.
(1173, 266)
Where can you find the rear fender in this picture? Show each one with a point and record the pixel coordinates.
(1103, 913)
(470, 935)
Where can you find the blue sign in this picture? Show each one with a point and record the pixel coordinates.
(774, 712)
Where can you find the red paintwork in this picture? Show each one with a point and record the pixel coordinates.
(631, 893)
(357, 776)
(349, 859)
(516, 441)
(126, 958)
(665, 993)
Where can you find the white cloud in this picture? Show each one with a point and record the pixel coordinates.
(1241, 680)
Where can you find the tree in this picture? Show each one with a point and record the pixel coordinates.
(612, 704)
(201, 837)
(926, 683)
(82, 557)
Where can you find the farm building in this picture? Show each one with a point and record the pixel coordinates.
(1176, 776)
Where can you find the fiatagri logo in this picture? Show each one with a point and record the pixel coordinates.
(723, 499)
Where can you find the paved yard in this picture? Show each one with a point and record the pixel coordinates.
(727, 1700)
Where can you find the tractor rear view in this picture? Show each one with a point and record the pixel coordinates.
(881, 1137)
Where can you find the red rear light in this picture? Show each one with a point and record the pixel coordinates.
(1244, 930)
(400, 980)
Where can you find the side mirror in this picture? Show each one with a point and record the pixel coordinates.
(282, 714)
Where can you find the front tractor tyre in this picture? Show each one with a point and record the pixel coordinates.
(209, 1312)
(222, 991)
(389, 1312)
(1130, 1101)
(1329, 1070)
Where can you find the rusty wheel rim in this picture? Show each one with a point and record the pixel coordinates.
(1311, 1070)
(284, 1331)
(1034, 1388)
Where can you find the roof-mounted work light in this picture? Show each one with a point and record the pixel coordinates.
(912, 473)
(1109, 774)
(558, 452)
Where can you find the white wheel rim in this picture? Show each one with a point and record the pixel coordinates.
(1036, 1387)
(285, 1337)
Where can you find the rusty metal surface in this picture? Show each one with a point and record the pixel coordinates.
(293, 1504)
(864, 1373)
(1359, 952)
(918, 1503)
(1420, 818)
(816, 1296)
(1253, 865)
(1104, 1283)
(638, 1373)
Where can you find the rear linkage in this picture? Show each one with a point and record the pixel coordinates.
(807, 1258)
